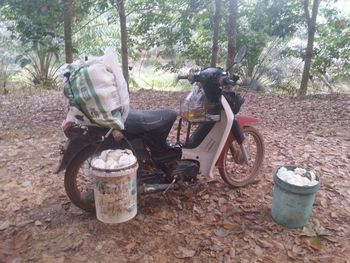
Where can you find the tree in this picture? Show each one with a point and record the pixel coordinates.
(232, 34)
(179, 29)
(124, 39)
(332, 47)
(41, 65)
(37, 25)
(217, 19)
(68, 30)
(8, 52)
(33, 22)
(311, 29)
(97, 31)
(260, 22)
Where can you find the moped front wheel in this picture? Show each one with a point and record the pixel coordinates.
(236, 171)
(78, 181)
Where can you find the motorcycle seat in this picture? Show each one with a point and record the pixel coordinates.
(155, 121)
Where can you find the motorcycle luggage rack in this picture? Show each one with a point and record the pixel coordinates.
(203, 113)
(179, 127)
(189, 130)
(196, 108)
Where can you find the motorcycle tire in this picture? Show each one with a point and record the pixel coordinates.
(83, 200)
(235, 171)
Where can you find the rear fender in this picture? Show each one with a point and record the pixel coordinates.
(71, 149)
(242, 121)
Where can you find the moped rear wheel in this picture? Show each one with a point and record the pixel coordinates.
(78, 181)
(236, 171)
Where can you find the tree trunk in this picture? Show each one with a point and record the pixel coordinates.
(232, 35)
(215, 48)
(5, 77)
(124, 39)
(68, 30)
(311, 29)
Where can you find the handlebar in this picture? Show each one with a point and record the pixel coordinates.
(227, 81)
(211, 76)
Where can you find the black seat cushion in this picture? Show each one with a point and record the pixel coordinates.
(146, 121)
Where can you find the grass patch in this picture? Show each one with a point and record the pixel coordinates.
(153, 79)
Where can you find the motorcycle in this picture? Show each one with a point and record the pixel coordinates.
(223, 140)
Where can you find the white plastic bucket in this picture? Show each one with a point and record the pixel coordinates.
(116, 194)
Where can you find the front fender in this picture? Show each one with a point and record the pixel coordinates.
(242, 121)
(246, 120)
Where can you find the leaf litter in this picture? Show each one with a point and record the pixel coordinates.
(208, 223)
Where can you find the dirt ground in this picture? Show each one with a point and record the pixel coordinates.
(205, 223)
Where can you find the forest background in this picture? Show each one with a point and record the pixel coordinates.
(294, 46)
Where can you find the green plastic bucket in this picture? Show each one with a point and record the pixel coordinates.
(292, 204)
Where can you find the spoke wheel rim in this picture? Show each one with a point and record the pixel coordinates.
(235, 171)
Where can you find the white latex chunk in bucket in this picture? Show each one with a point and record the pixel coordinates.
(115, 186)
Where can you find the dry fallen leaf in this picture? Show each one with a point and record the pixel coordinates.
(331, 239)
(323, 203)
(293, 124)
(290, 254)
(298, 250)
(221, 232)
(183, 252)
(38, 223)
(264, 243)
(197, 210)
(308, 231)
(4, 225)
(130, 246)
(226, 225)
(258, 251)
(315, 242)
(278, 245)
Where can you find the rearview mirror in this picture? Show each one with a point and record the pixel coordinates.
(240, 54)
(238, 57)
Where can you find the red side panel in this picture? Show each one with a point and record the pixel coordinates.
(243, 121)
(246, 120)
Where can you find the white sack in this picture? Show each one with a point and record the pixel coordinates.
(98, 89)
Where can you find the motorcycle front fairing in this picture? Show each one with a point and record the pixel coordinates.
(208, 151)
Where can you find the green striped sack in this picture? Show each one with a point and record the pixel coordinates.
(92, 88)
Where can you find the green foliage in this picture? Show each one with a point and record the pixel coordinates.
(272, 70)
(171, 25)
(186, 26)
(40, 22)
(41, 65)
(96, 32)
(38, 25)
(34, 21)
(332, 49)
(279, 18)
(168, 33)
(261, 21)
(8, 50)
